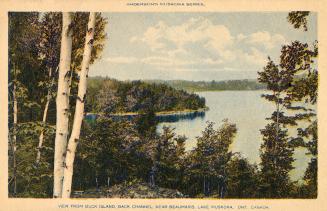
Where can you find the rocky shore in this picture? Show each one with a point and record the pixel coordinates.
(129, 190)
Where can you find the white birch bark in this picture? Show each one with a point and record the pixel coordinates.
(14, 139)
(44, 119)
(79, 110)
(62, 104)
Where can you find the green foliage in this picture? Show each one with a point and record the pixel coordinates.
(299, 60)
(298, 19)
(34, 48)
(276, 163)
(293, 85)
(114, 149)
(112, 96)
(79, 26)
(110, 149)
(24, 64)
(311, 174)
(33, 181)
(276, 153)
(168, 155)
(197, 86)
(208, 161)
(146, 123)
(243, 178)
(50, 37)
(22, 56)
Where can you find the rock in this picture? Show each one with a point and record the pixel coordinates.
(134, 189)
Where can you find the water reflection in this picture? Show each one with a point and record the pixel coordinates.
(178, 117)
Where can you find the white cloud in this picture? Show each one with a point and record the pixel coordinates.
(151, 60)
(165, 61)
(194, 30)
(211, 61)
(122, 60)
(133, 39)
(240, 37)
(199, 43)
(265, 39)
(255, 57)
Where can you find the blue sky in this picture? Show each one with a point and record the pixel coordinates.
(195, 46)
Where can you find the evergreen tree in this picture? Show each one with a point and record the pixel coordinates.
(300, 59)
(276, 152)
(298, 68)
(110, 149)
(146, 123)
(293, 84)
(311, 174)
(242, 178)
(207, 162)
(168, 158)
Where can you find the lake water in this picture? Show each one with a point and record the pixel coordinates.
(248, 111)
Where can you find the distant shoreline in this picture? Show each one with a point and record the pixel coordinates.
(159, 114)
(230, 90)
(203, 86)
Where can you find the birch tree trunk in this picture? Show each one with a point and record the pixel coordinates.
(44, 119)
(14, 139)
(62, 104)
(79, 110)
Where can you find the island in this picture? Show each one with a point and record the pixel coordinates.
(115, 98)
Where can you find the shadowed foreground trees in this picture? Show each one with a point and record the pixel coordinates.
(207, 162)
(113, 150)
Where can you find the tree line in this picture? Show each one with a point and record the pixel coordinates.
(198, 86)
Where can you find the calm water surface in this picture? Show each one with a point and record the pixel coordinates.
(248, 111)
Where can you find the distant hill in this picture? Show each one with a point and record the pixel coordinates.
(196, 86)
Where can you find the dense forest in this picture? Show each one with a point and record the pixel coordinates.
(112, 96)
(54, 153)
(198, 86)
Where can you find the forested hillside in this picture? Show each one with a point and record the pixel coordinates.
(113, 96)
(198, 86)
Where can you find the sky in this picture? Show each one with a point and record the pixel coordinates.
(195, 46)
